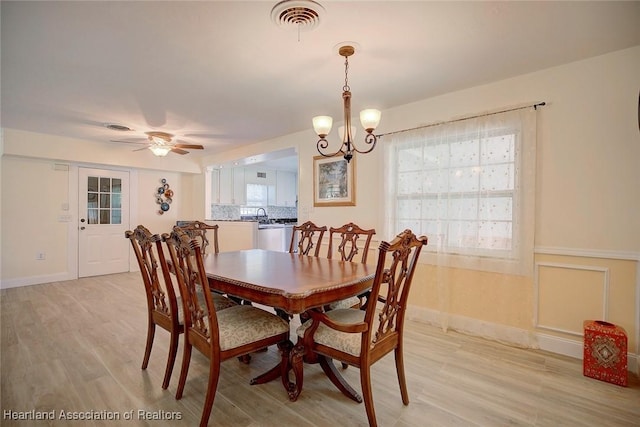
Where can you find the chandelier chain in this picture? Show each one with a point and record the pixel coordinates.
(346, 74)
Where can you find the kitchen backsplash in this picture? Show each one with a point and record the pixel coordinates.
(234, 212)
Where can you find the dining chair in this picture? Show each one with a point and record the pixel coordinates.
(218, 335)
(306, 237)
(198, 230)
(164, 308)
(350, 236)
(362, 337)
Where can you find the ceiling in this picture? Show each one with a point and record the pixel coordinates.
(222, 74)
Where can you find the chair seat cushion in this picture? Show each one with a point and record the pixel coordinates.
(342, 341)
(350, 302)
(220, 302)
(244, 324)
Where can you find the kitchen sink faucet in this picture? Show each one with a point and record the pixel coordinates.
(263, 216)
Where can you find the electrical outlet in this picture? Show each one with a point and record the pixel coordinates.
(40, 256)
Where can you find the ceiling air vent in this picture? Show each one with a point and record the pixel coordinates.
(262, 174)
(301, 15)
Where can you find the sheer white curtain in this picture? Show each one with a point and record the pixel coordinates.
(469, 186)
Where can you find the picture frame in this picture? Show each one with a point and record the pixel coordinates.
(334, 182)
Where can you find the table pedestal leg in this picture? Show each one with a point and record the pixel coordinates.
(297, 362)
(338, 380)
(280, 370)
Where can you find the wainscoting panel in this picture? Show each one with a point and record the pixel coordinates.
(568, 294)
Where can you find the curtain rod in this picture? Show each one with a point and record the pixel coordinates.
(535, 107)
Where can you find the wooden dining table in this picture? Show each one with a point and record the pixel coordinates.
(288, 282)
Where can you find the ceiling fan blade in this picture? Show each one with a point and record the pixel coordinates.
(128, 142)
(191, 146)
(179, 151)
(140, 149)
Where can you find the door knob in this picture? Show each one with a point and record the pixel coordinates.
(81, 228)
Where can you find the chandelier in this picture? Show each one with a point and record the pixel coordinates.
(369, 118)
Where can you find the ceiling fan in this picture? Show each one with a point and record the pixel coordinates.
(160, 144)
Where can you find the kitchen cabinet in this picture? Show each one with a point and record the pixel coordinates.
(286, 188)
(225, 191)
(239, 188)
(214, 185)
(228, 186)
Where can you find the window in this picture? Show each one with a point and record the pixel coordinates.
(104, 200)
(467, 186)
(257, 195)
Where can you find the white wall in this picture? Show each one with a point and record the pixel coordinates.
(588, 145)
(34, 191)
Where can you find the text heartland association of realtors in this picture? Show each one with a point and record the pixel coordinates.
(139, 414)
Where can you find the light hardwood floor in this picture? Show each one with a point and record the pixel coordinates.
(77, 346)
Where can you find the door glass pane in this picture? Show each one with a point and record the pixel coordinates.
(116, 200)
(105, 200)
(105, 185)
(116, 216)
(105, 216)
(92, 183)
(92, 200)
(92, 216)
(116, 185)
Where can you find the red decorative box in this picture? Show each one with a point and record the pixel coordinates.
(605, 352)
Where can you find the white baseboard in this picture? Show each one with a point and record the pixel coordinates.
(575, 349)
(36, 280)
(509, 335)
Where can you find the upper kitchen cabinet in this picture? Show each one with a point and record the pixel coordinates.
(239, 187)
(286, 188)
(213, 177)
(227, 186)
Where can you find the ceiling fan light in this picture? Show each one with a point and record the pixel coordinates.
(322, 125)
(370, 119)
(159, 151)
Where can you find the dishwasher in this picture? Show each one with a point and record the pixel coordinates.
(274, 237)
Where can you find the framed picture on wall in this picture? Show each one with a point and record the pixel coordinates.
(334, 181)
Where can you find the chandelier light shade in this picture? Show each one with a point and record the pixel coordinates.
(369, 118)
(322, 125)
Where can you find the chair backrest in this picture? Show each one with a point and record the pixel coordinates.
(349, 235)
(308, 236)
(161, 300)
(397, 276)
(200, 319)
(198, 230)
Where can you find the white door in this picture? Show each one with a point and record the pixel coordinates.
(104, 217)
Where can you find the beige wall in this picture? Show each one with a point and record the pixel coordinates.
(587, 204)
